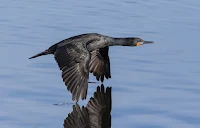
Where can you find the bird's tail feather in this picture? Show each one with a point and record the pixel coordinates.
(50, 50)
(46, 52)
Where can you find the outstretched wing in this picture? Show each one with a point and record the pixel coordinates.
(100, 63)
(78, 118)
(73, 59)
(99, 108)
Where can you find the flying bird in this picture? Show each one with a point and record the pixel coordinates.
(95, 115)
(81, 54)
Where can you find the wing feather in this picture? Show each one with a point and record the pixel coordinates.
(100, 63)
(73, 60)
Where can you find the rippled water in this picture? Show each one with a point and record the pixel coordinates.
(154, 86)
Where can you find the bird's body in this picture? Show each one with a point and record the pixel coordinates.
(79, 55)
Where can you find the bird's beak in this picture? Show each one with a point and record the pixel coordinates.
(144, 42)
(148, 42)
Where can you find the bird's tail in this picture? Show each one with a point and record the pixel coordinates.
(46, 52)
(50, 50)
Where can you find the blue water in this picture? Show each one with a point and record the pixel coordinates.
(154, 86)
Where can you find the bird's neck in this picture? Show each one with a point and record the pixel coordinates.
(121, 42)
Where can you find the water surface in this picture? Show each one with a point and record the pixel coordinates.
(154, 86)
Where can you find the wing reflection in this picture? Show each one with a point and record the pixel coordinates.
(95, 115)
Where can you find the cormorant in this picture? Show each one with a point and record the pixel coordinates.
(79, 55)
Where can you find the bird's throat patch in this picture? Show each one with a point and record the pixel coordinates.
(138, 44)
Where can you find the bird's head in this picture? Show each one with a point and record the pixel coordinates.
(139, 42)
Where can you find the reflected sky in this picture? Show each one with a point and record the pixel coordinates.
(153, 86)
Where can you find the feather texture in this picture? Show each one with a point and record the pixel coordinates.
(100, 63)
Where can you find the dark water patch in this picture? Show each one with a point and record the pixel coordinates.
(4, 20)
(137, 111)
(189, 119)
(144, 61)
(147, 126)
(44, 65)
(5, 118)
(19, 27)
(2, 76)
(149, 32)
(130, 2)
(197, 91)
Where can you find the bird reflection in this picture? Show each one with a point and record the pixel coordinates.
(95, 115)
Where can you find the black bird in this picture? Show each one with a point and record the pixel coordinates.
(79, 55)
(95, 115)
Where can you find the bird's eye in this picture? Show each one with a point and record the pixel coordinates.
(139, 40)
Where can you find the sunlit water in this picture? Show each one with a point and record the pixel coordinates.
(154, 86)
